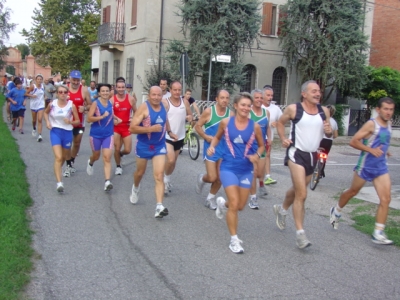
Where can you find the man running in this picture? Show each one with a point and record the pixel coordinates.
(164, 88)
(373, 139)
(178, 113)
(210, 119)
(309, 122)
(80, 97)
(150, 123)
(93, 91)
(123, 105)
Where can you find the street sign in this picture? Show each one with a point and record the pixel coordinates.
(222, 58)
(184, 65)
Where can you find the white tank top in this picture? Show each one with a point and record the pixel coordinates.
(58, 114)
(38, 102)
(177, 118)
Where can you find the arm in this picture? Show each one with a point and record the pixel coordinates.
(142, 113)
(327, 123)
(216, 139)
(196, 109)
(87, 101)
(269, 131)
(335, 134)
(76, 120)
(260, 141)
(28, 90)
(204, 118)
(91, 117)
(133, 101)
(189, 115)
(287, 115)
(365, 132)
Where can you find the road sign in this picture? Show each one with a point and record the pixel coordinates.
(222, 58)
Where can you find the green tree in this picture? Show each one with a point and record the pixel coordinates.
(382, 82)
(24, 49)
(5, 28)
(62, 31)
(213, 28)
(323, 40)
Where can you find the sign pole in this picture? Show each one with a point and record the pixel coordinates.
(209, 81)
(183, 73)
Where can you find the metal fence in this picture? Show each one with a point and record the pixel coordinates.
(111, 33)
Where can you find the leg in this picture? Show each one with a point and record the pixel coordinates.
(141, 165)
(382, 186)
(117, 148)
(76, 145)
(39, 121)
(21, 122)
(212, 175)
(94, 157)
(172, 157)
(58, 161)
(34, 117)
(355, 187)
(158, 173)
(107, 153)
(127, 141)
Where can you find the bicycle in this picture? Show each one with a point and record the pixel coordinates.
(321, 161)
(193, 142)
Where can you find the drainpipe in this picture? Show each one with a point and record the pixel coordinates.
(161, 35)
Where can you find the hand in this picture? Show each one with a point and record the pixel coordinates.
(273, 124)
(269, 143)
(67, 121)
(377, 152)
(156, 128)
(388, 154)
(81, 109)
(327, 128)
(48, 126)
(253, 158)
(33, 96)
(208, 138)
(173, 136)
(210, 151)
(117, 120)
(105, 115)
(286, 143)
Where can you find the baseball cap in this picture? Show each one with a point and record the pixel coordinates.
(129, 86)
(75, 74)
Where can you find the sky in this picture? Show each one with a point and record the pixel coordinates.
(21, 14)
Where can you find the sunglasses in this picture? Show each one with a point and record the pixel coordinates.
(62, 92)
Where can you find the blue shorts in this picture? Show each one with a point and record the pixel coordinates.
(148, 151)
(36, 110)
(369, 174)
(59, 136)
(216, 156)
(102, 143)
(243, 180)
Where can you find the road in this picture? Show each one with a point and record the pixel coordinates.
(94, 245)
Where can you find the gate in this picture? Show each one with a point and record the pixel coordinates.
(357, 119)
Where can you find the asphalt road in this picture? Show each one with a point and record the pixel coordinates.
(96, 245)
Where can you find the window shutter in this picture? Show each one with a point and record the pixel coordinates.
(267, 18)
(108, 15)
(280, 16)
(104, 15)
(134, 13)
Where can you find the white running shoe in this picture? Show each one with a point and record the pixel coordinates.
(200, 183)
(60, 187)
(262, 191)
(381, 239)
(302, 241)
(67, 172)
(161, 211)
(236, 247)
(134, 197)
(211, 203)
(221, 208)
(118, 171)
(89, 168)
(108, 186)
(167, 188)
(72, 169)
(334, 218)
(34, 133)
(280, 218)
(253, 203)
(39, 139)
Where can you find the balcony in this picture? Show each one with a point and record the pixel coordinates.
(111, 36)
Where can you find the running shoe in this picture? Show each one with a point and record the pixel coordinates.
(199, 183)
(334, 218)
(167, 188)
(60, 187)
(13, 128)
(67, 172)
(211, 203)
(236, 247)
(280, 218)
(34, 133)
(302, 241)
(262, 191)
(221, 208)
(39, 139)
(381, 239)
(21, 131)
(118, 171)
(253, 203)
(108, 186)
(134, 197)
(72, 169)
(269, 180)
(89, 168)
(161, 211)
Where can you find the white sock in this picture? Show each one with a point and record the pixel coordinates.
(379, 228)
(135, 188)
(167, 178)
(159, 205)
(267, 176)
(210, 196)
(338, 210)
(234, 237)
(253, 196)
(298, 232)
(283, 211)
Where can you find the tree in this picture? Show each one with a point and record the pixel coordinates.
(62, 31)
(5, 28)
(213, 28)
(24, 49)
(382, 82)
(323, 40)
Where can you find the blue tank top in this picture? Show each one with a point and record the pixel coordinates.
(380, 137)
(211, 127)
(154, 117)
(92, 93)
(238, 145)
(262, 121)
(105, 127)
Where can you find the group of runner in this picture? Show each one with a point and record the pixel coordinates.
(236, 145)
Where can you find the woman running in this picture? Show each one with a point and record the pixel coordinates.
(60, 116)
(102, 132)
(239, 155)
(37, 104)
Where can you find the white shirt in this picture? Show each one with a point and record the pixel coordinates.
(274, 114)
(334, 127)
(177, 119)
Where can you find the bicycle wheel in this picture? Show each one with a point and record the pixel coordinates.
(194, 146)
(316, 175)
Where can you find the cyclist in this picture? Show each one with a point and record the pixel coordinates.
(210, 119)
(326, 142)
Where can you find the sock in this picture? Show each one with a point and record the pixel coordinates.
(73, 159)
(234, 237)
(253, 196)
(210, 196)
(136, 188)
(118, 166)
(106, 180)
(91, 164)
(167, 178)
(298, 232)
(69, 163)
(338, 210)
(159, 205)
(283, 211)
(379, 228)
(267, 176)
(34, 127)
(261, 183)
(121, 154)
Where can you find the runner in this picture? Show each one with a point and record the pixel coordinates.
(238, 158)
(164, 88)
(60, 116)
(16, 98)
(93, 91)
(79, 95)
(373, 139)
(150, 123)
(309, 122)
(210, 119)
(37, 104)
(123, 105)
(178, 112)
(102, 132)
(261, 117)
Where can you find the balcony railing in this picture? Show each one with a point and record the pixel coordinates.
(111, 33)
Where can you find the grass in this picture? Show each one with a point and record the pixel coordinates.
(15, 235)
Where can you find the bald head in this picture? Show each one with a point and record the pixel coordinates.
(155, 95)
(155, 87)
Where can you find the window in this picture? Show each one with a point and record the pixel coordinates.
(116, 72)
(250, 78)
(134, 13)
(269, 19)
(279, 85)
(106, 14)
(104, 72)
(130, 65)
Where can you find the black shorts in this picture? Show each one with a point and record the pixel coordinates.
(305, 159)
(18, 113)
(177, 144)
(78, 130)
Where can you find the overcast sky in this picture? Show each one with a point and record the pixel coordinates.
(22, 12)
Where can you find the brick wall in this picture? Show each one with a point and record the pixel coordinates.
(385, 43)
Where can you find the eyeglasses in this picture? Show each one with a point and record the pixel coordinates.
(62, 92)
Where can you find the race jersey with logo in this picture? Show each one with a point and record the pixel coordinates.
(78, 100)
(58, 114)
(122, 110)
(154, 118)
